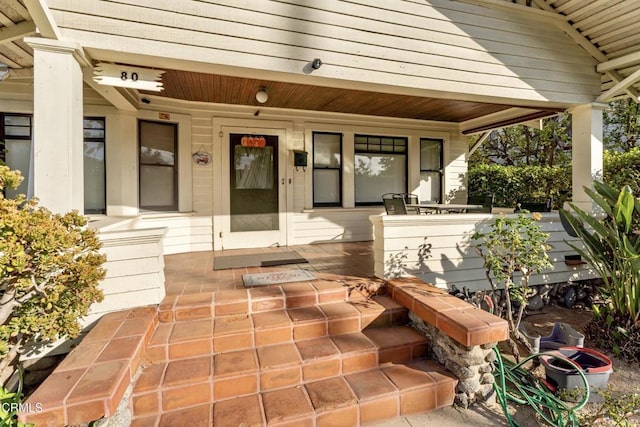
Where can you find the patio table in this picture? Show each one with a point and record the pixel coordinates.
(443, 207)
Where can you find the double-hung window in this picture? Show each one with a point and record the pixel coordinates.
(380, 165)
(431, 169)
(15, 147)
(327, 172)
(158, 166)
(95, 197)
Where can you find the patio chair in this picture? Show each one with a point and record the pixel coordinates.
(395, 206)
(485, 201)
(410, 199)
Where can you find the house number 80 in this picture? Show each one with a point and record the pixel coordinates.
(125, 76)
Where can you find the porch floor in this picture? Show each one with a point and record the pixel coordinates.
(193, 273)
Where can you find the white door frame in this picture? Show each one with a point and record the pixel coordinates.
(221, 128)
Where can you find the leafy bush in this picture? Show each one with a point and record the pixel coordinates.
(612, 248)
(49, 272)
(513, 245)
(512, 183)
(622, 169)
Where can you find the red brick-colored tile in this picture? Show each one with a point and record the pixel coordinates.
(181, 350)
(235, 363)
(149, 421)
(187, 371)
(370, 385)
(396, 336)
(273, 336)
(100, 381)
(320, 348)
(55, 389)
(82, 357)
(297, 301)
(266, 299)
(199, 416)
(190, 331)
(161, 334)
(233, 342)
(244, 411)
(326, 297)
(284, 405)
(350, 343)
(280, 378)
(445, 381)
(359, 362)
(193, 313)
(242, 385)
(321, 369)
(49, 417)
(343, 417)
(417, 401)
(379, 409)
(182, 397)
(150, 378)
(330, 394)
(309, 330)
(194, 300)
(156, 354)
(103, 330)
(231, 302)
(134, 326)
(121, 348)
(397, 354)
(279, 355)
(85, 412)
(146, 404)
(406, 377)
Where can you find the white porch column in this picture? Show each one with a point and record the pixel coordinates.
(58, 176)
(586, 125)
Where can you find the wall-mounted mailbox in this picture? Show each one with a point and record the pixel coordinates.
(299, 159)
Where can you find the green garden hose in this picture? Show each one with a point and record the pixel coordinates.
(516, 384)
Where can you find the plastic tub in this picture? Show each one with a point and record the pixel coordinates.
(562, 371)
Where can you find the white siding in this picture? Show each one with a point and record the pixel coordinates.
(447, 257)
(432, 46)
(334, 225)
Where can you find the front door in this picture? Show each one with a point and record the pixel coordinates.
(254, 211)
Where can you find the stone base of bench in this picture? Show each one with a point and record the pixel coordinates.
(462, 335)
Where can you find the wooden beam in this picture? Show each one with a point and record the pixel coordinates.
(43, 18)
(619, 87)
(109, 93)
(621, 62)
(15, 5)
(631, 91)
(16, 32)
(479, 142)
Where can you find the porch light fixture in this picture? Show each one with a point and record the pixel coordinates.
(4, 71)
(262, 96)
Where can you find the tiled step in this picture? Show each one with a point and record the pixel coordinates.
(195, 336)
(170, 395)
(253, 300)
(290, 363)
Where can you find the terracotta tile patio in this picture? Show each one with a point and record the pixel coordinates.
(305, 353)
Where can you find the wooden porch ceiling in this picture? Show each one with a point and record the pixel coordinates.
(213, 88)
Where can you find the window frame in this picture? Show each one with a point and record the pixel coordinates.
(339, 169)
(381, 151)
(440, 160)
(103, 140)
(167, 208)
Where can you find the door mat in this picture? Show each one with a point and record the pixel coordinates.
(264, 259)
(276, 277)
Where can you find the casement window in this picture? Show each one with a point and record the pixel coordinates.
(327, 169)
(95, 193)
(158, 166)
(431, 169)
(380, 165)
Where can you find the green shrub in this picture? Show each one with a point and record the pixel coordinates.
(512, 183)
(622, 169)
(49, 272)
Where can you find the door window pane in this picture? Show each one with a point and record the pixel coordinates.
(254, 204)
(17, 157)
(158, 166)
(327, 169)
